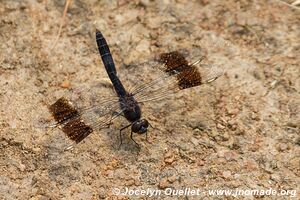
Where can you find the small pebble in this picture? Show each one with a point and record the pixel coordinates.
(22, 167)
(194, 141)
(254, 116)
(65, 84)
(282, 147)
(169, 157)
(221, 153)
(230, 155)
(200, 163)
(172, 179)
(169, 160)
(220, 126)
(145, 3)
(275, 177)
(232, 111)
(130, 182)
(226, 174)
(163, 184)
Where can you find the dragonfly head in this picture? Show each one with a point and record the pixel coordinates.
(140, 126)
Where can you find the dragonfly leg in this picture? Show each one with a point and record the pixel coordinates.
(147, 132)
(121, 135)
(134, 140)
(151, 125)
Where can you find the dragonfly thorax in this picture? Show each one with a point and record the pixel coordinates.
(130, 107)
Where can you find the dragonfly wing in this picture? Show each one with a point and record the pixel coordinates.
(78, 123)
(172, 73)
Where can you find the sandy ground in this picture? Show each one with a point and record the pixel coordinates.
(240, 132)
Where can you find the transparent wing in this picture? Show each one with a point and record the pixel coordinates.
(80, 116)
(169, 74)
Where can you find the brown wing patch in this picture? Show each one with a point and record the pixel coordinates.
(69, 118)
(175, 63)
(77, 130)
(63, 110)
(189, 77)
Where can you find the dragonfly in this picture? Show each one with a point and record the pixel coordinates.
(176, 74)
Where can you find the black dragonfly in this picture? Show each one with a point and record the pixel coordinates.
(177, 74)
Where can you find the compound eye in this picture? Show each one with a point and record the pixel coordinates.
(142, 130)
(145, 123)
